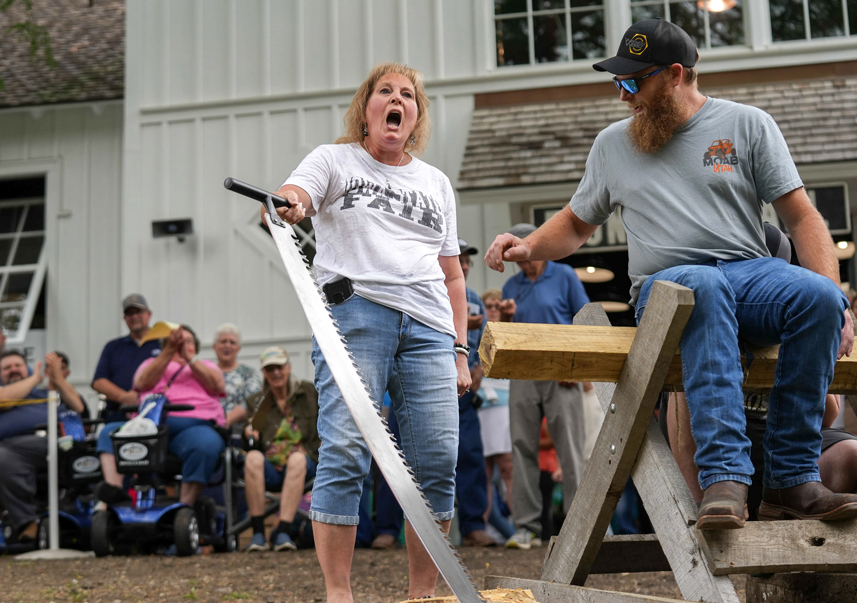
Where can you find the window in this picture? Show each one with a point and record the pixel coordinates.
(710, 23)
(548, 31)
(22, 253)
(807, 20)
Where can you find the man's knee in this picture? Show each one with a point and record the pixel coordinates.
(296, 463)
(255, 462)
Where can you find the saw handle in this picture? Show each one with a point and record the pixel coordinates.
(248, 190)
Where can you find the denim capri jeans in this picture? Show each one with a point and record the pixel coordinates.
(416, 365)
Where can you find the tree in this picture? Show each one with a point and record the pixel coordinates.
(30, 32)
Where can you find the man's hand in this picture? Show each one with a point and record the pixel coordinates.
(53, 367)
(474, 321)
(250, 433)
(506, 248)
(507, 308)
(130, 398)
(847, 343)
(37, 372)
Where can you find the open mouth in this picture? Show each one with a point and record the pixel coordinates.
(394, 119)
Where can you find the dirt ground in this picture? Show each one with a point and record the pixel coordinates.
(378, 577)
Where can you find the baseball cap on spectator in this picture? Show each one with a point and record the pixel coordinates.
(521, 230)
(274, 355)
(135, 300)
(648, 43)
(464, 248)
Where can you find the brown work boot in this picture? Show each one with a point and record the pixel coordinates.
(811, 500)
(724, 507)
(384, 541)
(478, 538)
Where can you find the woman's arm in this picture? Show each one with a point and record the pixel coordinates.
(211, 378)
(454, 281)
(150, 374)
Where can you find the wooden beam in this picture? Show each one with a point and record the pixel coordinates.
(512, 350)
(551, 592)
(783, 546)
(621, 435)
(667, 499)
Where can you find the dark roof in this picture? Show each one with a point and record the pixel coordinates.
(88, 43)
(544, 143)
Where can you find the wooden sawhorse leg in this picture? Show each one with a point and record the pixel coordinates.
(630, 434)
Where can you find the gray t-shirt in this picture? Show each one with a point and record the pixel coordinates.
(697, 199)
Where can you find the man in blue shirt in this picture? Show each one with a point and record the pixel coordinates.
(120, 358)
(22, 453)
(471, 483)
(548, 293)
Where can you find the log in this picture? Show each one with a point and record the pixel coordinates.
(512, 350)
(801, 588)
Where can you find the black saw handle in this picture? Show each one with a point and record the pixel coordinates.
(248, 190)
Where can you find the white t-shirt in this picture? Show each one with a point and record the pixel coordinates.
(386, 240)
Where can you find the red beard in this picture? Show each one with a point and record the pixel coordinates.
(652, 129)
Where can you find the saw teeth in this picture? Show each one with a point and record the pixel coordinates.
(399, 451)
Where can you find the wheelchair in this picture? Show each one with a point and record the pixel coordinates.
(78, 468)
(154, 517)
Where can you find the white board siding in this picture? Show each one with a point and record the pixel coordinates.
(79, 149)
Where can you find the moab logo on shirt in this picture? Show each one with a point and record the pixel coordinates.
(410, 204)
(720, 156)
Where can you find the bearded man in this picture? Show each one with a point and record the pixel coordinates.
(691, 174)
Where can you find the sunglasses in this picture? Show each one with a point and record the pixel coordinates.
(632, 85)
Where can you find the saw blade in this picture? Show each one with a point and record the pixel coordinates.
(382, 445)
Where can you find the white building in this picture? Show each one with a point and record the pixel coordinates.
(245, 88)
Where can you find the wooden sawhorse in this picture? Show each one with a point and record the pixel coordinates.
(630, 368)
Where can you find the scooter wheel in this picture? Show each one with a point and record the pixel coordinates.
(186, 532)
(103, 536)
(43, 536)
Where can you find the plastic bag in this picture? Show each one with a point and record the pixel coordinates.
(139, 425)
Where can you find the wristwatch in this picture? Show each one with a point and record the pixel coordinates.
(462, 348)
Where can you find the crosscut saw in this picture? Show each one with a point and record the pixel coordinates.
(363, 408)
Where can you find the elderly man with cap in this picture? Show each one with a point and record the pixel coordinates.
(471, 483)
(691, 174)
(284, 446)
(547, 293)
(120, 358)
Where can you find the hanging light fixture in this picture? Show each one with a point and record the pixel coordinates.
(594, 274)
(844, 250)
(614, 306)
(716, 6)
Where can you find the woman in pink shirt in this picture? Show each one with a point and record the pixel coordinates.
(192, 438)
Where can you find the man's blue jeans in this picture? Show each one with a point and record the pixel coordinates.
(763, 302)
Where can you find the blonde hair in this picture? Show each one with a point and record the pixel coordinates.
(492, 294)
(355, 117)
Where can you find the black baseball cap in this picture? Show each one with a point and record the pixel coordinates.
(465, 249)
(647, 43)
